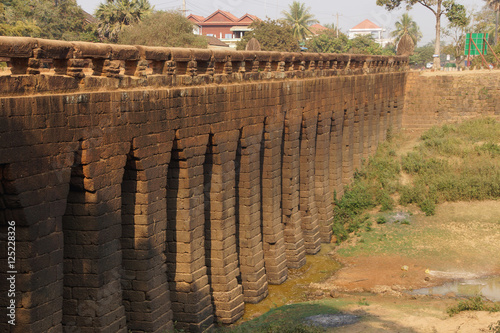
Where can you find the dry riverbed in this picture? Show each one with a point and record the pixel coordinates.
(381, 267)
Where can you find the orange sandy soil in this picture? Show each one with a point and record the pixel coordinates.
(376, 283)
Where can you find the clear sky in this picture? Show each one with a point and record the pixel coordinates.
(350, 12)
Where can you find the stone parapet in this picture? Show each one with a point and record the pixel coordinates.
(38, 65)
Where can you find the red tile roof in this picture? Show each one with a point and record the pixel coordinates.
(248, 18)
(366, 24)
(317, 28)
(196, 18)
(221, 16)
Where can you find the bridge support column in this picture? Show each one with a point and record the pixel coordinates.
(347, 146)
(367, 126)
(253, 272)
(323, 195)
(272, 228)
(146, 296)
(294, 238)
(220, 229)
(307, 205)
(92, 230)
(186, 267)
(336, 151)
(31, 208)
(375, 108)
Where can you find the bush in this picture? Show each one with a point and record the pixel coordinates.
(162, 28)
(475, 303)
(495, 328)
(428, 206)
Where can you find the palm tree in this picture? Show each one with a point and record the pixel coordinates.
(495, 5)
(113, 15)
(408, 26)
(300, 19)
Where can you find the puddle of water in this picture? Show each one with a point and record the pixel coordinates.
(317, 269)
(489, 287)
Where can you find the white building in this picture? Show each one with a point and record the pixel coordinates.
(367, 27)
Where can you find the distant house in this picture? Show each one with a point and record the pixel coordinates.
(223, 25)
(317, 29)
(367, 27)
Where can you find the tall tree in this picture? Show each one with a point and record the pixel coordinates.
(495, 5)
(113, 15)
(407, 25)
(300, 19)
(453, 11)
(456, 34)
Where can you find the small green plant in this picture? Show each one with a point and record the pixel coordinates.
(381, 220)
(495, 327)
(405, 222)
(428, 206)
(471, 304)
(475, 303)
(363, 302)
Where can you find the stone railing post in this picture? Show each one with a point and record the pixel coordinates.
(18, 51)
(97, 53)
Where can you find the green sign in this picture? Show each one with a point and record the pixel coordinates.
(480, 40)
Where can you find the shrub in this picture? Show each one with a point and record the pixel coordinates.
(495, 328)
(475, 303)
(162, 28)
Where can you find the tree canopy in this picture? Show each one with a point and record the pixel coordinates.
(453, 11)
(63, 19)
(113, 15)
(300, 19)
(494, 5)
(407, 25)
(162, 28)
(365, 44)
(272, 35)
(422, 55)
(328, 42)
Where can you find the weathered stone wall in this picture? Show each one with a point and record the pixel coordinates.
(147, 198)
(437, 98)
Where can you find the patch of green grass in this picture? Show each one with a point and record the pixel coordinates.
(363, 302)
(475, 303)
(455, 162)
(287, 319)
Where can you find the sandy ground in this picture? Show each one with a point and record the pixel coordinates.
(378, 283)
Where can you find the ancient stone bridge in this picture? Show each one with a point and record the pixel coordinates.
(151, 186)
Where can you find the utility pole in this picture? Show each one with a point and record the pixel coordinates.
(184, 7)
(337, 24)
